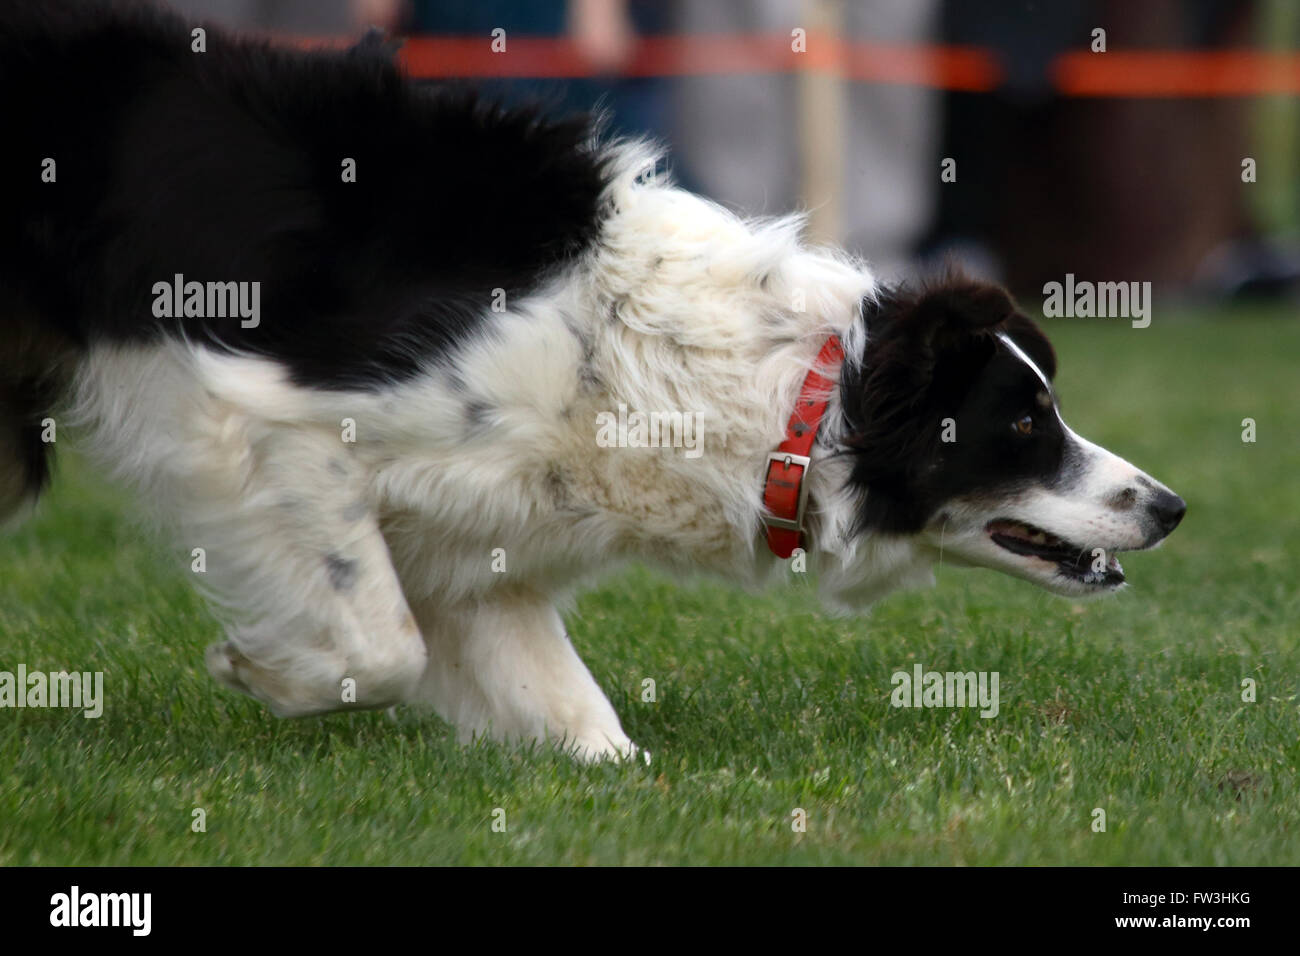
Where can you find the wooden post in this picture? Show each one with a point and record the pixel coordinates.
(822, 113)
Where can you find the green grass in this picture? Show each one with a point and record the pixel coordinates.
(1132, 705)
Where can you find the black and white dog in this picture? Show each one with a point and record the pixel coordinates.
(364, 343)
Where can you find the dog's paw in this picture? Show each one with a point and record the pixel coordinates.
(232, 669)
(221, 659)
(600, 748)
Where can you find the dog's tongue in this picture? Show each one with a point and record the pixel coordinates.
(1010, 529)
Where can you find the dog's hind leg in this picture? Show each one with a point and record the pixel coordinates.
(332, 628)
(504, 668)
(275, 522)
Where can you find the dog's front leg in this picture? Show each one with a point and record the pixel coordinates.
(504, 668)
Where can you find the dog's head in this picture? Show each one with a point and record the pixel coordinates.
(956, 440)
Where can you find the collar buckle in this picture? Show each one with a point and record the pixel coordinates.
(787, 460)
(785, 479)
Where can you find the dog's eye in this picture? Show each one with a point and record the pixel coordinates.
(1025, 425)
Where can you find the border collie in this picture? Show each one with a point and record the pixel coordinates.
(357, 339)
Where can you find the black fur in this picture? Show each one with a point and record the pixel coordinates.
(35, 366)
(933, 355)
(226, 166)
(25, 401)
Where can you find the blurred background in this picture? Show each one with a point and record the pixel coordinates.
(1007, 135)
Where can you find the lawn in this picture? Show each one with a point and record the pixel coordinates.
(1131, 705)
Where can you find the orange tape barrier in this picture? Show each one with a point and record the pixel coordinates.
(1176, 73)
(953, 68)
(1132, 73)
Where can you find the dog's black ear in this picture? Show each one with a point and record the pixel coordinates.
(945, 313)
(958, 307)
(909, 330)
(923, 349)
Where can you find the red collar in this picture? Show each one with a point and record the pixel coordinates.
(785, 493)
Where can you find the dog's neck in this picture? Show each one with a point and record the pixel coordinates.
(830, 506)
(788, 480)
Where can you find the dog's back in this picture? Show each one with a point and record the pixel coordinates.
(132, 157)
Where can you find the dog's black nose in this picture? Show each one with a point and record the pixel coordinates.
(1168, 509)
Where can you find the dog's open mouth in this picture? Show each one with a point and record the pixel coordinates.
(1073, 561)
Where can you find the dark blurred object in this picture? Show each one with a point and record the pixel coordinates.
(1105, 188)
(1252, 268)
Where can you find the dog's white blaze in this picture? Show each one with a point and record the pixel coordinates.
(1017, 351)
